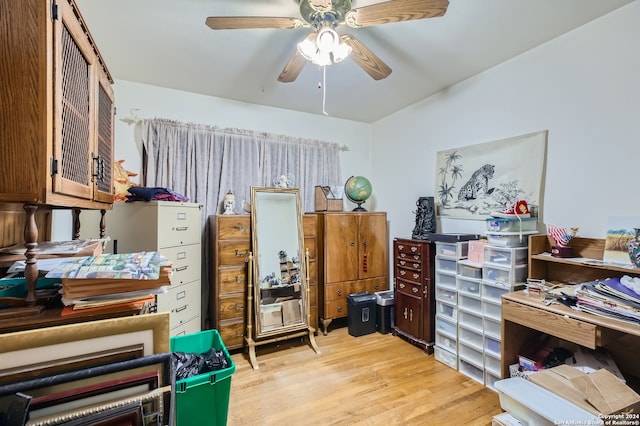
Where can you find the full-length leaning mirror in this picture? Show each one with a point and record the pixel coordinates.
(278, 280)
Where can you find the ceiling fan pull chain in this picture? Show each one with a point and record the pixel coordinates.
(324, 88)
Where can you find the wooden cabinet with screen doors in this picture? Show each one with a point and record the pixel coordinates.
(353, 258)
(231, 235)
(414, 292)
(56, 110)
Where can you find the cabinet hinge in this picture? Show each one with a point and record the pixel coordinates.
(54, 10)
(54, 166)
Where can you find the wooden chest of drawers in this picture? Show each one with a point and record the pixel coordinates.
(232, 244)
(414, 292)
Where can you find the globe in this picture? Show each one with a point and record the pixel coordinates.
(358, 190)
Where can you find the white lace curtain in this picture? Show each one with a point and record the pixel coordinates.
(203, 163)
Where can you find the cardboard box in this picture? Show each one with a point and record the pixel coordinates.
(588, 361)
(600, 392)
(271, 316)
(292, 312)
(476, 250)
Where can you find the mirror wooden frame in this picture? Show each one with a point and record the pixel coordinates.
(278, 304)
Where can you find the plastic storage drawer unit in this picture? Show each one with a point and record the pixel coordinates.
(361, 313)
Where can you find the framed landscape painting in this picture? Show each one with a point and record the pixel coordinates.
(620, 231)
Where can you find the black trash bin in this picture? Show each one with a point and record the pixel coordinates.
(361, 313)
(384, 311)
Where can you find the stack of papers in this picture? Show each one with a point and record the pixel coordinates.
(610, 298)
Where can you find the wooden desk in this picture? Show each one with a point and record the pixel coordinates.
(524, 317)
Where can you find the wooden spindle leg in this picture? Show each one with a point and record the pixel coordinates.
(76, 224)
(103, 222)
(31, 242)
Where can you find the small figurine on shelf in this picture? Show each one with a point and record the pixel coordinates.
(425, 219)
(285, 181)
(229, 201)
(562, 237)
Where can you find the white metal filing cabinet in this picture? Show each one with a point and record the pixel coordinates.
(174, 230)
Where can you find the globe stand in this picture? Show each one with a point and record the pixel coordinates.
(359, 208)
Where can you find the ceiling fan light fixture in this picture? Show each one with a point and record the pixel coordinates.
(325, 49)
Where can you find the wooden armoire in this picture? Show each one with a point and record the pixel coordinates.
(353, 257)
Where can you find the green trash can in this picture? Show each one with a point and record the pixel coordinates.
(203, 399)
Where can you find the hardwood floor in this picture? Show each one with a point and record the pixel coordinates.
(374, 379)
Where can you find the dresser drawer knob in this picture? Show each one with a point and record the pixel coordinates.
(414, 289)
(239, 307)
(339, 292)
(400, 247)
(414, 249)
(401, 285)
(240, 228)
(416, 265)
(239, 280)
(416, 276)
(403, 272)
(339, 308)
(403, 262)
(242, 253)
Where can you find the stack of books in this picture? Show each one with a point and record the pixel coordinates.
(108, 279)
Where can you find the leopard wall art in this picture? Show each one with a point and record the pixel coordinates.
(478, 184)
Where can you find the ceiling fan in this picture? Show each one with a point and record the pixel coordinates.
(323, 46)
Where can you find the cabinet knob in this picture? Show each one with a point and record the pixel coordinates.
(400, 247)
(414, 249)
(339, 308)
(241, 253)
(239, 307)
(414, 289)
(339, 292)
(403, 272)
(416, 276)
(401, 285)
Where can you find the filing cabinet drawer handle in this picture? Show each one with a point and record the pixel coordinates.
(242, 254)
(181, 228)
(181, 308)
(182, 268)
(181, 295)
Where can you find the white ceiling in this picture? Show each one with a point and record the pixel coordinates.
(166, 43)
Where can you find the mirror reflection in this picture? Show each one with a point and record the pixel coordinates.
(280, 286)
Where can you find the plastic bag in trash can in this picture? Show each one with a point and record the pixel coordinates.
(191, 364)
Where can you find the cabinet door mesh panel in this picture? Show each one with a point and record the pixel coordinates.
(105, 128)
(75, 112)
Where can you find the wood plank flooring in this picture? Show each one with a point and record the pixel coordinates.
(374, 379)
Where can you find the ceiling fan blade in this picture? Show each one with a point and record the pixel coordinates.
(248, 22)
(366, 59)
(395, 11)
(321, 5)
(293, 68)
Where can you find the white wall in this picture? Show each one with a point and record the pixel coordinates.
(583, 87)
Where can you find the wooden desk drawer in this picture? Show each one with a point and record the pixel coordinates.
(409, 263)
(337, 291)
(231, 307)
(563, 327)
(233, 227)
(407, 287)
(232, 333)
(234, 253)
(409, 249)
(336, 309)
(232, 280)
(409, 275)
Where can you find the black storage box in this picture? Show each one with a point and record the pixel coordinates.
(361, 313)
(384, 311)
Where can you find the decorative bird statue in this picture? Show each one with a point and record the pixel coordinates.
(562, 237)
